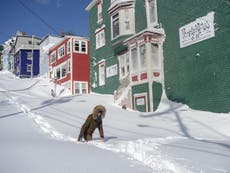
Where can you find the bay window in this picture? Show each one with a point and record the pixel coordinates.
(155, 56)
(122, 23)
(152, 12)
(123, 65)
(143, 58)
(134, 59)
(115, 25)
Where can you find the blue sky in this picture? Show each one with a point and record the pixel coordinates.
(41, 17)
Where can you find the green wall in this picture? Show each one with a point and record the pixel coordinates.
(197, 75)
(140, 16)
(157, 93)
(143, 88)
(137, 89)
(105, 52)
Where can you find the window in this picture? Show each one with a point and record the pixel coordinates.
(63, 70)
(29, 56)
(152, 12)
(100, 39)
(61, 51)
(58, 73)
(81, 87)
(99, 12)
(77, 88)
(84, 88)
(134, 59)
(101, 73)
(123, 23)
(155, 55)
(76, 46)
(127, 20)
(69, 46)
(69, 65)
(53, 57)
(115, 25)
(80, 46)
(123, 65)
(142, 51)
(28, 68)
(83, 46)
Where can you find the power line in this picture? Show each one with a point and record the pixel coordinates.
(38, 16)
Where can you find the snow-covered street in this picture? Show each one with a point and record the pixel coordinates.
(38, 134)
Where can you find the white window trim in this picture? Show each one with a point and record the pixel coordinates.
(68, 46)
(29, 55)
(122, 20)
(62, 47)
(112, 35)
(102, 40)
(100, 6)
(80, 46)
(80, 87)
(60, 67)
(101, 81)
(124, 65)
(148, 14)
(55, 54)
(29, 68)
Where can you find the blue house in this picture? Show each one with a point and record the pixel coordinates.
(26, 56)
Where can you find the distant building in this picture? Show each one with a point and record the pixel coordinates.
(127, 52)
(6, 54)
(46, 43)
(26, 55)
(69, 64)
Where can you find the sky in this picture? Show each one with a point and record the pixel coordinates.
(41, 17)
(38, 133)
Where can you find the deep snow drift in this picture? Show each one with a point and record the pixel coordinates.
(38, 134)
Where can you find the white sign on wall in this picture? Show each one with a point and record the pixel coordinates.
(200, 29)
(140, 102)
(111, 71)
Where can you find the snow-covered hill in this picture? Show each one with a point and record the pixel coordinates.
(38, 134)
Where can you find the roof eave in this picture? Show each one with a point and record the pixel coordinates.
(90, 6)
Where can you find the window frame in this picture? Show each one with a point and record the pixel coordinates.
(101, 73)
(78, 85)
(53, 57)
(124, 64)
(29, 68)
(113, 20)
(100, 38)
(69, 46)
(61, 51)
(152, 18)
(80, 46)
(100, 12)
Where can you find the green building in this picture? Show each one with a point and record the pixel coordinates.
(197, 53)
(126, 52)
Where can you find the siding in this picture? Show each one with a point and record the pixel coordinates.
(197, 75)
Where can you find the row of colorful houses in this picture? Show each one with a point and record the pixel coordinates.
(64, 60)
(140, 49)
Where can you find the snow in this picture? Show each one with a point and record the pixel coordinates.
(38, 134)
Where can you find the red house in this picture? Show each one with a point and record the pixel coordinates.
(69, 64)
